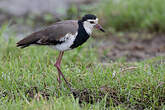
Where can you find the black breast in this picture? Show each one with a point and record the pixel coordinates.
(81, 37)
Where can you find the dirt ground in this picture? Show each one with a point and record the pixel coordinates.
(131, 47)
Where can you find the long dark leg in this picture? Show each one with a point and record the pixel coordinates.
(57, 65)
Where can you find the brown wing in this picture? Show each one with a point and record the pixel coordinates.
(51, 34)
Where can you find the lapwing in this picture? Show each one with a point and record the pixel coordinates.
(62, 36)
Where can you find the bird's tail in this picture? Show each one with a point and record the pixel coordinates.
(27, 41)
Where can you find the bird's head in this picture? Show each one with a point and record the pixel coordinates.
(89, 22)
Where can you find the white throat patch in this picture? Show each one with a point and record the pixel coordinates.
(88, 27)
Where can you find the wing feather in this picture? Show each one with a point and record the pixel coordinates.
(51, 34)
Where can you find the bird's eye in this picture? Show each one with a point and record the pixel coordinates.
(92, 22)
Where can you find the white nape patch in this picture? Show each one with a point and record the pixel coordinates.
(68, 41)
(88, 26)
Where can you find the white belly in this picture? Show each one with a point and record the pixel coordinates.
(68, 41)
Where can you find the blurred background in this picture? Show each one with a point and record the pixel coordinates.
(134, 30)
(121, 69)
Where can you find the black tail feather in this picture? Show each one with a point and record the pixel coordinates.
(22, 45)
(27, 41)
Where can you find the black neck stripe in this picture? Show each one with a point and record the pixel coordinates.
(81, 37)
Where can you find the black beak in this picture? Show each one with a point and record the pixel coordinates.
(98, 26)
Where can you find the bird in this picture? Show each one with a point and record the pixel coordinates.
(63, 36)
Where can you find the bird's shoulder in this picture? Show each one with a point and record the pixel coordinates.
(60, 29)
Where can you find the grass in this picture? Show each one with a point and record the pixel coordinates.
(28, 80)
(146, 15)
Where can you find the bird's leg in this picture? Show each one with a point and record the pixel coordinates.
(57, 65)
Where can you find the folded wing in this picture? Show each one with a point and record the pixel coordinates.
(50, 35)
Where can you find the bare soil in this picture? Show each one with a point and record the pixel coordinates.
(132, 47)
